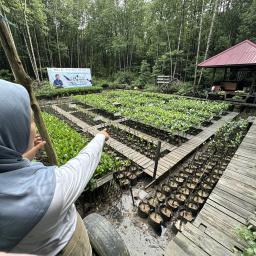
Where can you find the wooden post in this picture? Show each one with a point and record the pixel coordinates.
(22, 78)
(157, 158)
(225, 74)
(213, 75)
(132, 195)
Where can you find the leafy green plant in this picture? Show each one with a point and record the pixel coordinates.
(145, 74)
(47, 90)
(168, 112)
(68, 143)
(124, 77)
(6, 74)
(249, 236)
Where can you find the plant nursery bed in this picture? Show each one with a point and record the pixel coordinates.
(87, 118)
(155, 132)
(194, 131)
(139, 144)
(187, 188)
(84, 105)
(206, 123)
(105, 114)
(166, 112)
(67, 107)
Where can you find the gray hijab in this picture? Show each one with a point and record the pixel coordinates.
(26, 188)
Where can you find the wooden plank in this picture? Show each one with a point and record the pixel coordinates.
(205, 242)
(144, 160)
(148, 172)
(230, 196)
(215, 231)
(248, 192)
(182, 246)
(244, 159)
(240, 177)
(244, 170)
(221, 217)
(247, 154)
(104, 180)
(137, 157)
(228, 204)
(222, 208)
(235, 193)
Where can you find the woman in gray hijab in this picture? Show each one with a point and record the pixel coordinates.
(38, 214)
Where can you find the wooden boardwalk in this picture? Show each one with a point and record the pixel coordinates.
(231, 204)
(165, 163)
(178, 154)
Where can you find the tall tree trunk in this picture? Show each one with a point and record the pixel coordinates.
(186, 68)
(198, 47)
(29, 53)
(209, 36)
(38, 55)
(71, 55)
(49, 51)
(169, 46)
(58, 45)
(21, 77)
(34, 64)
(47, 62)
(78, 51)
(180, 32)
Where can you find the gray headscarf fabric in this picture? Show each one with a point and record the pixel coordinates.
(26, 188)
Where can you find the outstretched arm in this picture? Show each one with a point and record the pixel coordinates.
(76, 173)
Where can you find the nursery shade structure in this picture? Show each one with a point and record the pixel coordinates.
(240, 55)
(239, 64)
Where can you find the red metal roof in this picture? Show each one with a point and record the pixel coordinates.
(240, 54)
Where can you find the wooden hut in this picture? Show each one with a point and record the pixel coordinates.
(239, 72)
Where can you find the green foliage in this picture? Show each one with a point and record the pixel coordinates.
(172, 113)
(68, 143)
(44, 88)
(5, 74)
(249, 236)
(231, 134)
(145, 74)
(124, 77)
(113, 35)
(47, 90)
(157, 70)
(184, 89)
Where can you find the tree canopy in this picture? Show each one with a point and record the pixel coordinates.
(109, 36)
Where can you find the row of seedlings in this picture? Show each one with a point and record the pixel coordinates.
(182, 196)
(135, 142)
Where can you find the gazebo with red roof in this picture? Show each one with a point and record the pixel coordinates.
(240, 59)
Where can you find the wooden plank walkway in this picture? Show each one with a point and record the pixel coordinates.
(174, 157)
(231, 204)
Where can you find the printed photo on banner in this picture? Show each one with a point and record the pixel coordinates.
(69, 77)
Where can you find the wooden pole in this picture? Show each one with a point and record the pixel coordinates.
(213, 75)
(157, 158)
(22, 78)
(225, 74)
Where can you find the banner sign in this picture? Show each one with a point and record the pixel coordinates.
(70, 77)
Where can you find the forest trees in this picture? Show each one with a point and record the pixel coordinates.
(109, 36)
